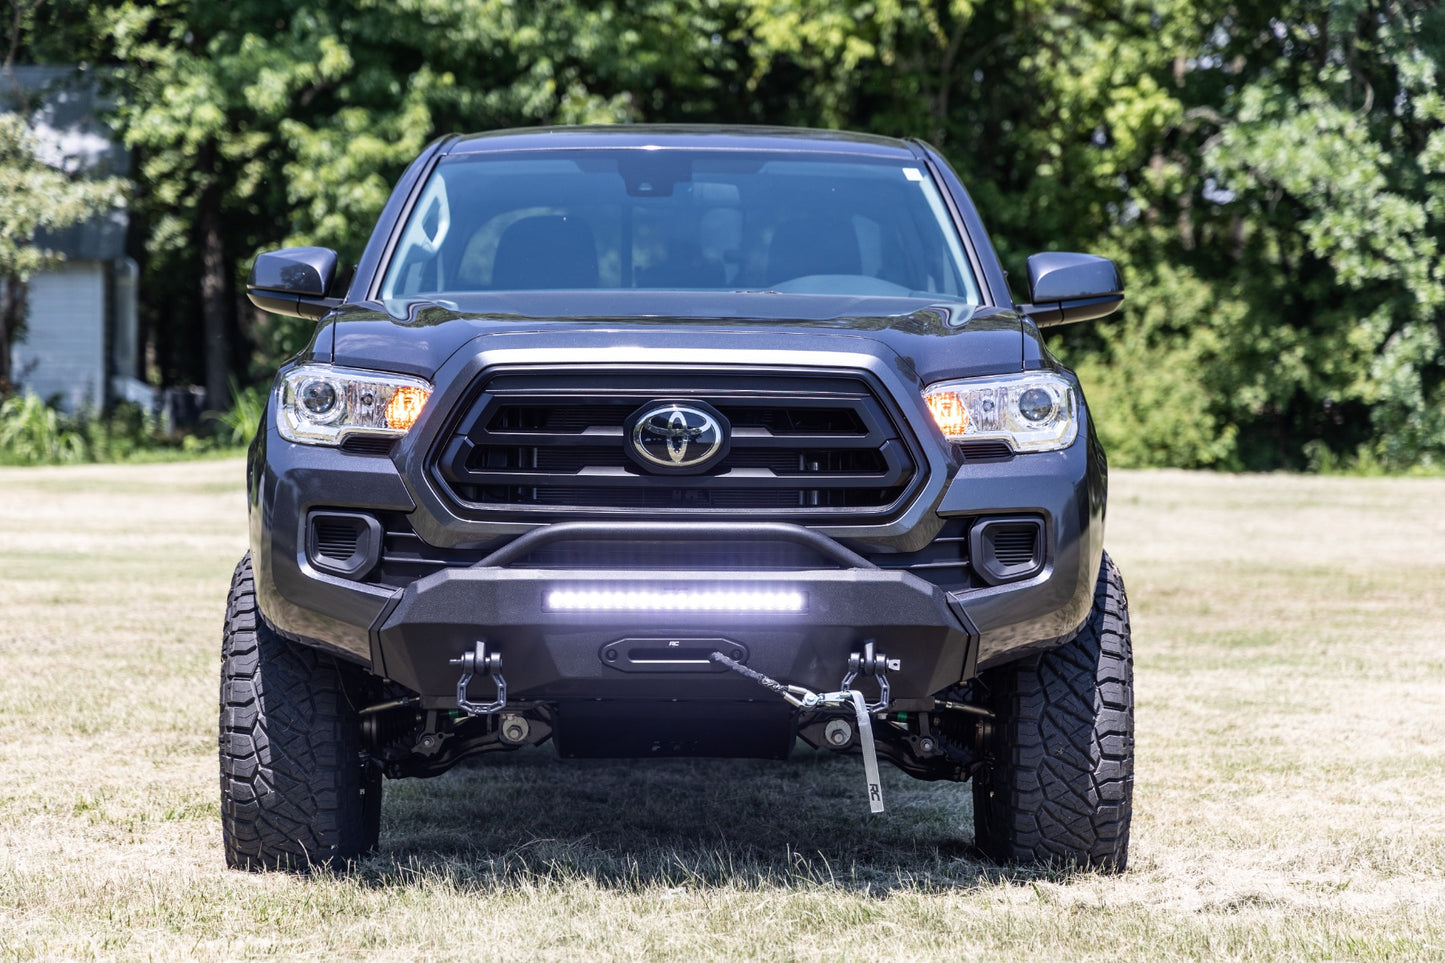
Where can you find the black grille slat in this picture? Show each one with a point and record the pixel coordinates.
(1016, 548)
(606, 477)
(336, 539)
(682, 499)
(945, 561)
(986, 450)
(368, 445)
(554, 442)
(572, 460)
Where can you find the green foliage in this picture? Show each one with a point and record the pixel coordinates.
(1339, 178)
(39, 197)
(1154, 384)
(33, 432)
(1269, 175)
(238, 425)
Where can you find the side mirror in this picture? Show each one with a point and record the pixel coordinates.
(294, 281)
(1065, 287)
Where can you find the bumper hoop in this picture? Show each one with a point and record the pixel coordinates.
(476, 662)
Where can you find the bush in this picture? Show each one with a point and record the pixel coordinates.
(1161, 389)
(33, 432)
(237, 426)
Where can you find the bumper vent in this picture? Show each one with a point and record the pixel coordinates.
(986, 450)
(343, 543)
(1016, 546)
(551, 444)
(1007, 549)
(365, 445)
(336, 539)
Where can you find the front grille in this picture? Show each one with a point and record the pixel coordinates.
(945, 561)
(805, 445)
(406, 557)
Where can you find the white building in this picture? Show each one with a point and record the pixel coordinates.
(82, 341)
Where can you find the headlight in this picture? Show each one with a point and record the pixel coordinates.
(322, 404)
(1030, 412)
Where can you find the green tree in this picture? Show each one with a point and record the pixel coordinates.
(1335, 163)
(257, 123)
(1267, 174)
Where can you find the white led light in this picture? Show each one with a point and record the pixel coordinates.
(673, 600)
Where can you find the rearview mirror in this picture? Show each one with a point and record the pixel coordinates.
(294, 281)
(1065, 287)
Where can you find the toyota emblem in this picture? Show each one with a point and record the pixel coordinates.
(678, 437)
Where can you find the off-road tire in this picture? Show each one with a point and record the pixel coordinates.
(295, 790)
(1058, 784)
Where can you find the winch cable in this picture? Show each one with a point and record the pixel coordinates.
(771, 684)
(807, 699)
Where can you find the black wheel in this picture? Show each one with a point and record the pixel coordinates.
(295, 791)
(1058, 783)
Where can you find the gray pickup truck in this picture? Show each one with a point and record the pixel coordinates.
(660, 441)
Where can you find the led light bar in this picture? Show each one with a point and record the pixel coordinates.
(674, 600)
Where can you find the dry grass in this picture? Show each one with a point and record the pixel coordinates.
(1291, 705)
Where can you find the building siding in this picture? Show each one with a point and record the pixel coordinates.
(63, 353)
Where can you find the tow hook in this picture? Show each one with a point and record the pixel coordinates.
(866, 663)
(876, 666)
(475, 663)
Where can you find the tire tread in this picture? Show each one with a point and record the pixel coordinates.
(1060, 787)
(291, 770)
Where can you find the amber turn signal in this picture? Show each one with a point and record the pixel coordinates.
(949, 412)
(405, 407)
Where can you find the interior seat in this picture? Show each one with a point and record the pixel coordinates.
(545, 251)
(814, 244)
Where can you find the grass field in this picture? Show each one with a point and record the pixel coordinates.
(1290, 796)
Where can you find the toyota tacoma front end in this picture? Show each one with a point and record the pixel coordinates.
(677, 441)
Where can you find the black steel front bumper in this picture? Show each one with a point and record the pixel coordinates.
(597, 653)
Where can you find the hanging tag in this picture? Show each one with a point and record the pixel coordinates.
(870, 754)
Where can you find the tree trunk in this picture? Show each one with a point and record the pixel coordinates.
(13, 302)
(215, 304)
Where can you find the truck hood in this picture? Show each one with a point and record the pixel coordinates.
(933, 340)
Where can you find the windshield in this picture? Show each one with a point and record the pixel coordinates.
(707, 220)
